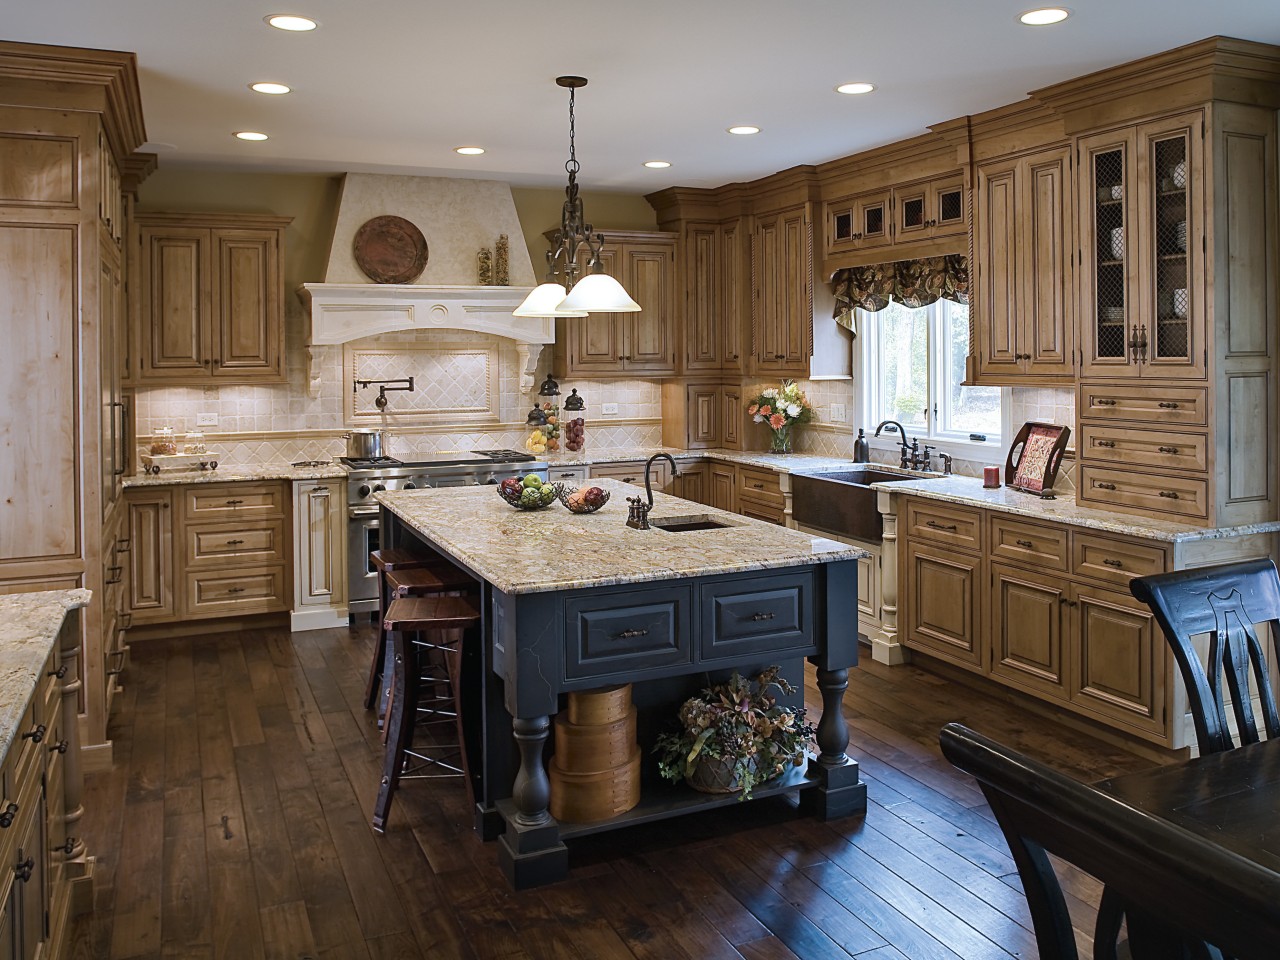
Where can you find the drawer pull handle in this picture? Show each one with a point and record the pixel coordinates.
(1025, 544)
(1113, 563)
(628, 479)
(1105, 486)
(6, 818)
(1106, 443)
(36, 735)
(122, 545)
(320, 489)
(1169, 494)
(60, 746)
(940, 526)
(234, 543)
(761, 616)
(234, 503)
(126, 621)
(1167, 405)
(1104, 402)
(629, 634)
(60, 672)
(68, 847)
(758, 486)
(113, 575)
(1065, 602)
(567, 476)
(22, 870)
(116, 671)
(1167, 449)
(235, 589)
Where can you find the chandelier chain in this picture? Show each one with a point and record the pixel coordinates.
(571, 165)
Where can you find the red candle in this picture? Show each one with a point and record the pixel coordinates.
(991, 477)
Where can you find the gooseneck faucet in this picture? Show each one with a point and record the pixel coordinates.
(638, 513)
(902, 439)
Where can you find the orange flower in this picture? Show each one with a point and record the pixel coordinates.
(777, 421)
(766, 409)
(753, 409)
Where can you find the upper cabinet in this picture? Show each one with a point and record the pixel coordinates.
(614, 345)
(1022, 240)
(782, 309)
(211, 303)
(889, 221)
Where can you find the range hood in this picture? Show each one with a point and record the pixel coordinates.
(457, 217)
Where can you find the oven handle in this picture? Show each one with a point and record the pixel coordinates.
(358, 512)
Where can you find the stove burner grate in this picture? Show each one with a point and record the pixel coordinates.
(312, 463)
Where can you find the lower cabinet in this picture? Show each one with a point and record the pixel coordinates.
(943, 609)
(319, 553)
(151, 587)
(691, 484)
(1030, 613)
(1120, 662)
(722, 486)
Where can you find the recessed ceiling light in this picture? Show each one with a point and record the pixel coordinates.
(250, 135)
(275, 89)
(291, 22)
(744, 130)
(469, 151)
(657, 164)
(1044, 16)
(855, 88)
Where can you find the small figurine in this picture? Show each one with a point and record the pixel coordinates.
(485, 263)
(502, 262)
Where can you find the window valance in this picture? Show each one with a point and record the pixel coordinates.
(914, 283)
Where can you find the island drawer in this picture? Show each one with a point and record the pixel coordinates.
(223, 544)
(943, 523)
(759, 615)
(760, 485)
(227, 501)
(1029, 543)
(620, 633)
(1114, 561)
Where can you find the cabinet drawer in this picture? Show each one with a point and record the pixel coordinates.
(958, 526)
(571, 474)
(623, 632)
(761, 511)
(756, 616)
(1177, 496)
(628, 471)
(1114, 561)
(222, 544)
(226, 501)
(760, 485)
(1149, 448)
(229, 592)
(1043, 547)
(1187, 406)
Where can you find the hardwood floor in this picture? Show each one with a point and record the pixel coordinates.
(235, 824)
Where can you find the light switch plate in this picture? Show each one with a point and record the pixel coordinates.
(609, 409)
(837, 413)
(206, 419)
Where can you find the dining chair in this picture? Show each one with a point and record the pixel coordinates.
(1225, 602)
(1179, 892)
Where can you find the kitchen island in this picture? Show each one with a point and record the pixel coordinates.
(578, 602)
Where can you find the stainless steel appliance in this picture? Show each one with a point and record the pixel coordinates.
(372, 475)
(366, 444)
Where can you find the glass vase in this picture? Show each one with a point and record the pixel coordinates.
(780, 440)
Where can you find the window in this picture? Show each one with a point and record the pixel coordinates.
(913, 366)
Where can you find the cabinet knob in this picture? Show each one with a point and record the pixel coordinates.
(1065, 602)
(7, 815)
(60, 747)
(22, 869)
(60, 672)
(35, 735)
(67, 848)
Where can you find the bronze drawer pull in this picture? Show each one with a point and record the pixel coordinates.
(122, 546)
(234, 503)
(1169, 494)
(1167, 405)
(1065, 602)
(67, 847)
(22, 870)
(1104, 402)
(1167, 449)
(113, 575)
(36, 735)
(761, 616)
(629, 634)
(60, 672)
(1105, 443)
(628, 479)
(319, 489)
(567, 476)
(1105, 486)
(234, 543)
(235, 589)
(1113, 563)
(6, 818)
(122, 653)
(940, 526)
(60, 746)
(758, 486)
(1026, 544)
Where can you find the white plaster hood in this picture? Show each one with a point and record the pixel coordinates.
(457, 217)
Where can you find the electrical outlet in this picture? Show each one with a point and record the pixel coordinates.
(837, 413)
(206, 419)
(609, 409)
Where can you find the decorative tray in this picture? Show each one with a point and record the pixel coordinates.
(155, 462)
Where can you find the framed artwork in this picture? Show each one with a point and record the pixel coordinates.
(1035, 455)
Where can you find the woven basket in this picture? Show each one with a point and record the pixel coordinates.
(715, 775)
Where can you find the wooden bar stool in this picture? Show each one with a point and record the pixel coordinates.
(417, 626)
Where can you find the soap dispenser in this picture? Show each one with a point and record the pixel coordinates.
(861, 449)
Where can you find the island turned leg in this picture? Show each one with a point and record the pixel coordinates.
(531, 852)
(840, 793)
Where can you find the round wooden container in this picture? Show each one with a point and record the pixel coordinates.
(587, 748)
(588, 797)
(599, 706)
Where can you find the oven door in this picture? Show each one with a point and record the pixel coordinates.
(362, 540)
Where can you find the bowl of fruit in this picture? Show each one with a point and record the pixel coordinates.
(583, 499)
(529, 493)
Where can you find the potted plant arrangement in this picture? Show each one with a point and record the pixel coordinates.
(781, 408)
(735, 736)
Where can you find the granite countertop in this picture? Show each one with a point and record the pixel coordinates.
(786, 463)
(230, 473)
(29, 626)
(970, 492)
(551, 549)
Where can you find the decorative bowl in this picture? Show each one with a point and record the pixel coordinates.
(564, 492)
(520, 504)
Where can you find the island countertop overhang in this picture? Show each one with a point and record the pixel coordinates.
(551, 549)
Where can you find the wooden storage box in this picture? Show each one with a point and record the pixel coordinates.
(588, 797)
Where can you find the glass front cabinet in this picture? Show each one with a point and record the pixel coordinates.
(1142, 250)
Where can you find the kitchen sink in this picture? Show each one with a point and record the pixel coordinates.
(687, 524)
(842, 501)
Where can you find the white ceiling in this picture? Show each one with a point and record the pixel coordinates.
(393, 86)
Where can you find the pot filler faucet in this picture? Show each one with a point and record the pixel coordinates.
(638, 512)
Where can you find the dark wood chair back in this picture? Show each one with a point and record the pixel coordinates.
(1178, 891)
(1224, 601)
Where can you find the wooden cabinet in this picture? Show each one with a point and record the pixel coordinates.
(211, 305)
(900, 215)
(319, 548)
(692, 483)
(151, 568)
(632, 471)
(782, 310)
(610, 345)
(1120, 663)
(859, 222)
(722, 486)
(929, 209)
(699, 415)
(734, 283)
(1029, 616)
(1023, 310)
(943, 604)
(715, 279)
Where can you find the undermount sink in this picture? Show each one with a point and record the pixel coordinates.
(687, 524)
(842, 501)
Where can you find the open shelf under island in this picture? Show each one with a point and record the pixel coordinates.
(576, 602)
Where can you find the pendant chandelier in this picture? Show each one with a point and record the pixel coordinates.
(564, 294)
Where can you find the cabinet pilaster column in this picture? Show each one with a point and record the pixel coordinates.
(887, 647)
(72, 774)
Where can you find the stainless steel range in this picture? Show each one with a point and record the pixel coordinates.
(367, 477)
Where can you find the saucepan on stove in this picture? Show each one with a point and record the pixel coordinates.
(366, 444)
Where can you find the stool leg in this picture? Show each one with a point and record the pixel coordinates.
(404, 682)
(464, 705)
(374, 687)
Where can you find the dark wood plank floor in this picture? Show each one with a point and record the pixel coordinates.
(235, 824)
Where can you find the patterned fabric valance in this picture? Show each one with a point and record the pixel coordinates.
(914, 283)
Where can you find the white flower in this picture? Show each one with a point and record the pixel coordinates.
(793, 410)
(758, 418)
(771, 392)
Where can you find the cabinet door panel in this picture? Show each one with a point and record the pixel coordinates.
(1027, 613)
(735, 295)
(942, 605)
(596, 342)
(797, 318)
(723, 482)
(769, 305)
(1046, 248)
(245, 304)
(650, 341)
(732, 417)
(177, 288)
(1121, 663)
(947, 208)
(318, 536)
(704, 416)
(997, 249)
(703, 312)
(151, 556)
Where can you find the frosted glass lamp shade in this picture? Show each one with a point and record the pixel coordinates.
(544, 301)
(599, 293)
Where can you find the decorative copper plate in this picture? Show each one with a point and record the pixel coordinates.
(390, 250)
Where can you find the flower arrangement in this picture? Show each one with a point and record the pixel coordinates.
(735, 736)
(781, 408)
